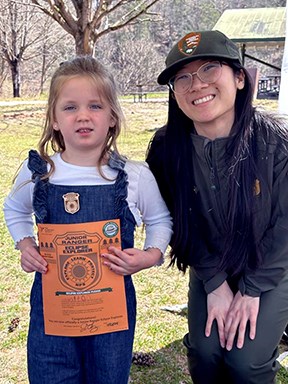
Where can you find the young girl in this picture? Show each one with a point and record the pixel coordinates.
(222, 168)
(82, 124)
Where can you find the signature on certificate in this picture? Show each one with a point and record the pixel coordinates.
(90, 326)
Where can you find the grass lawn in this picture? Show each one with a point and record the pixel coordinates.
(159, 332)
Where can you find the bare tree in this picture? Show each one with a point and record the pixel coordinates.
(88, 20)
(55, 47)
(134, 63)
(19, 31)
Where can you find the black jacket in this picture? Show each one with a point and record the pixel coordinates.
(271, 208)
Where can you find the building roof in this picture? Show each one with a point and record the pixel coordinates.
(254, 26)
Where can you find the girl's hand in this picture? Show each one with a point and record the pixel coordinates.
(218, 304)
(130, 260)
(31, 260)
(243, 309)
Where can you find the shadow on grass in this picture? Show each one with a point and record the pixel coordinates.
(169, 365)
(166, 365)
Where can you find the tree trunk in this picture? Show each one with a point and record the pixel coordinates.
(42, 78)
(83, 43)
(15, 71)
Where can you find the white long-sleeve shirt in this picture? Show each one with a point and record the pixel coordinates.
(144, 198)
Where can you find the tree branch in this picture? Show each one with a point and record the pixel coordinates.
(125, 23)
(98, 16)
(58, 11)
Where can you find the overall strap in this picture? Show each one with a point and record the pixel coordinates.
(38, 167)
(121, 205)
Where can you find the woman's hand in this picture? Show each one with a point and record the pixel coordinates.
(130, 260)
(31, 260)
(218, 305)
(243, 309)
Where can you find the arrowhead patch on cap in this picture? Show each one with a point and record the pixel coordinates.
(189, 43)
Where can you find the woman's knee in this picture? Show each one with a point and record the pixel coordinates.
(204, 355)
(251, 368)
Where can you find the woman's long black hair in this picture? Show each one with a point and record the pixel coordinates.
(241, 240)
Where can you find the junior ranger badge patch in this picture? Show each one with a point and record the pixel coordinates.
(71, 202)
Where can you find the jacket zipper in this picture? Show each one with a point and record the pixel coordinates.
(209, 152)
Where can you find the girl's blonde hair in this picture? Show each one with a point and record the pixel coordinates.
(106, 86)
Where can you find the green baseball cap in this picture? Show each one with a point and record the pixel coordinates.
(198, 45)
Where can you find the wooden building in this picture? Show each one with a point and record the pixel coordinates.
(257, 29)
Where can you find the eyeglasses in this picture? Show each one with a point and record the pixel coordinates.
(208, 73)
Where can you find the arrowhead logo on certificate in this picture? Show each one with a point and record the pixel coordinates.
(81, 297)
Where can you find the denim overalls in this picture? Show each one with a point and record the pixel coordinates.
(99, 359)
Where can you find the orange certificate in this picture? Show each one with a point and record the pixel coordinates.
(81, 296)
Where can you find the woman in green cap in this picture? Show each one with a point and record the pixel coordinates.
(221, 166)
